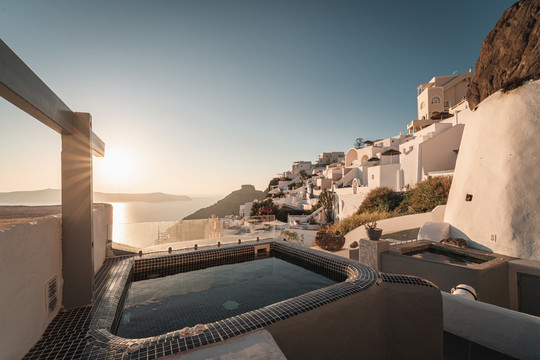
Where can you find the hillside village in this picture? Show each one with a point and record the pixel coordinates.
(430, 148)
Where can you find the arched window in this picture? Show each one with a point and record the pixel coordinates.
(435, 100)
(421, 105)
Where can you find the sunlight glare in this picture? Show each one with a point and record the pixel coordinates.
(116, 168)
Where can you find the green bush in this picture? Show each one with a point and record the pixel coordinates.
(264, 207)
(352, 222)
(382, 203)
(381, 199)
(429, 193)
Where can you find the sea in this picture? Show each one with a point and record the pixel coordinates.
(138, 212)
(142, 212)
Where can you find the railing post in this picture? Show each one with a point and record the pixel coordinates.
(77, 204)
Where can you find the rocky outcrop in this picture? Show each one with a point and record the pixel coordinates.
(229, 205)
(510, 53)
(329, 241)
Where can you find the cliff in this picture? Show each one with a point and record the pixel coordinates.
(228, 205)
(509, 54)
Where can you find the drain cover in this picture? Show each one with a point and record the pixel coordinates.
(230, 305)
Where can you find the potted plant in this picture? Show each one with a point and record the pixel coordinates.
(374, 233)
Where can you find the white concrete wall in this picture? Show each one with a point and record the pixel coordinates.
(506, 331)
(409, 163)
(384, 175)
(349, 203)
(498, 165)
(30, 255)
(324, 183)
(438, 152)
(103, 219)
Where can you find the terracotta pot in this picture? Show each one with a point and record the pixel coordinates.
(374, 234)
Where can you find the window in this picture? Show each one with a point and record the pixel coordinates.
(421, 105)
(372, 177)
(447, 103)
(435, 100)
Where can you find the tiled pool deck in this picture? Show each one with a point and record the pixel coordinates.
(85, 333)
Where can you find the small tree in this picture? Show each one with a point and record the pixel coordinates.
(291, 236)
(303, 174)
(264, 207)
(359, 143)
(327, 198)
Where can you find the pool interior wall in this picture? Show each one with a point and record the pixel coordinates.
(160, 265)
(159, 305)
(398, 301)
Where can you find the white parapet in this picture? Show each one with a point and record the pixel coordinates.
(503, 330)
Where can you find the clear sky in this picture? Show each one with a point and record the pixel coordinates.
(199, 97)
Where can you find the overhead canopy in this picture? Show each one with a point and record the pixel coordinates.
(373, 159)
(390, 152)
(276, 223)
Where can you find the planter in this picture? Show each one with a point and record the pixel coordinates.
(374, 234)
(330, 242)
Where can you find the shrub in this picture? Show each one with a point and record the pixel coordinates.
(382, 203)
(352, 222)
(264, 207)
(380, 199)
(429, 193)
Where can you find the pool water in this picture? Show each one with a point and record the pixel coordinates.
(161, 305)
(440, 255)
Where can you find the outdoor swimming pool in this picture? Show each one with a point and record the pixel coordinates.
(160, 305)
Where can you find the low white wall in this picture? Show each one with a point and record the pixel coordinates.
(103, 219)
(506, 331)
(30, 255)
(399, 223)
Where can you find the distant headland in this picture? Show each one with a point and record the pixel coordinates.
(53, 196)
(228, 205)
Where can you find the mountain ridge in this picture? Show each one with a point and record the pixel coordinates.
(230, 204)
(53, 196)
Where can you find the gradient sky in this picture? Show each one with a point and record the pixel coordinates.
(199, 97)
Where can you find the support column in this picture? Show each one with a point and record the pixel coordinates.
(77, 204)
(370, 252)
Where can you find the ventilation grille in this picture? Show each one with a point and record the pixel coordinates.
(52, 295)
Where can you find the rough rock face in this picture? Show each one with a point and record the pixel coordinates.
(331, 242)
(510, 54)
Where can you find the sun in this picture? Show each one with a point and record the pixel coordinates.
(115, 169)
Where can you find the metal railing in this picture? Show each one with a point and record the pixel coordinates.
(187, 233)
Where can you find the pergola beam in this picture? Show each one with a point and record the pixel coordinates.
(23, 88)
